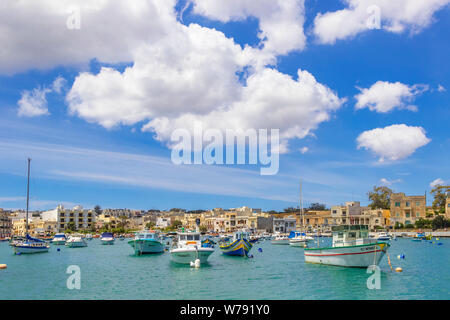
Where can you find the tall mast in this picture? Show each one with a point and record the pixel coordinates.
(28, 194)
(301, 205)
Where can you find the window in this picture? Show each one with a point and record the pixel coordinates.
(407, 204)
(334, 211)
(417, 203)
(397, 204)
(190, 237)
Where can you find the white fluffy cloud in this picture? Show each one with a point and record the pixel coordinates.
(393, 142)
(293, 107)
(385, 96)
(280, 21)
(396, 16)
(35, 34)
(34, 103)
(387, 182)
(437, 182)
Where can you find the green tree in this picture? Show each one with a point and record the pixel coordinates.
(440, 194)
(440, 222)
(203, 229)
(423, 223)
(71, 227)
(150, 225)
(317, 206)
(380, 197)
(398, 225)
(176, 224)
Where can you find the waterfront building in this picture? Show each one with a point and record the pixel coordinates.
(407, 209)
(83, 219)
(315, 219)
(284, 224)
(447, 206)
(5, 224)
(162, 222)
(104, 219)
(349, 213)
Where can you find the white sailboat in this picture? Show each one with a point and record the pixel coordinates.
(299, 239)
(29, 244)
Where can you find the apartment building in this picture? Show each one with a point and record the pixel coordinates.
(447, 207)
(284, 224)
(83, 219)
(407, 209)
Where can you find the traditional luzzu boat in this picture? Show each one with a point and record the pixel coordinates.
(107, 238)
(59, 239)
(188, 248)
(146, 242)
(239, 245)
(208, 243)
(351, 247)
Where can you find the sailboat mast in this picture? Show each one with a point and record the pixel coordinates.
(301, 205)
(28, 194)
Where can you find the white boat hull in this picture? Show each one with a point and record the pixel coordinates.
(26, 249)
(185, 256)
(107, 241)
(76, 244)
(284, 241)
(297, 243)
(146, 246)
(350, 256)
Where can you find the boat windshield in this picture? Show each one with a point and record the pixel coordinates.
(189, 237)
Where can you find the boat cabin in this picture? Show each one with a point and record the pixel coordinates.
(147, 235)
(350, 235)
(189, 237)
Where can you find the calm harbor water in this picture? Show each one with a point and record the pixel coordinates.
(278, 272)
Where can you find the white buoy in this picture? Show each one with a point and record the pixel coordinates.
(3, 266)
(398, 269)
(192, 264)
(398, 257)
(197, 263)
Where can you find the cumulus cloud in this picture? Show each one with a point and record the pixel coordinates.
(393, 142)
(387, 182)
(33, 103)
(437, 182)
(35, 34)
(385, 96)
(280, 21)
(190, 78)
(304, 150)
(441, 88)
(395, 16)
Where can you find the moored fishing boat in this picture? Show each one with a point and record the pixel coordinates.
(351, 247)
(188, 248)
(239, 245)
(107, 238)
(280, 239)
(147, 242)
(59, 239)
(76, 242)
(298, 239)
(383, 236)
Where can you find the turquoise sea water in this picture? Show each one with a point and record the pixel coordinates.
(278, 272)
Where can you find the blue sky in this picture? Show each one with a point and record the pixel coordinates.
(77, 159)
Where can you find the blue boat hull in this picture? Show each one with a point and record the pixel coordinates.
(239, 247)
